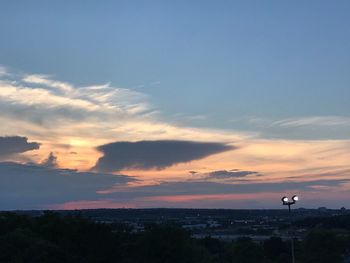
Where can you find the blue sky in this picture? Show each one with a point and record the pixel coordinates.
(268, 79)
(220, 59)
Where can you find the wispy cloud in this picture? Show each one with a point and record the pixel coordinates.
(3, 71)
(213, 194)
(314, 121)
(229, 174)
(84, 117)
(43, 91)
(48, 82)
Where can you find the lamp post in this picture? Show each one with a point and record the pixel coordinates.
(285, 201)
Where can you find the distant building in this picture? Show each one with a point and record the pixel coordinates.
(195, 226)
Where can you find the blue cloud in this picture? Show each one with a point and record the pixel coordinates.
(15, 144)
(154, 154)
(31, 186)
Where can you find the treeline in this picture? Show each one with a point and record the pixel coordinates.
(55, 238)
(340, 221)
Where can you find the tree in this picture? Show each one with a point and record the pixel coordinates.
(276, 250)
(244, 250)
(322, 246)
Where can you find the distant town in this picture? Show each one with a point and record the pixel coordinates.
(176, 236)
(223, 224)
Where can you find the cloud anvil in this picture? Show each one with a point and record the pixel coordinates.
(154, 154)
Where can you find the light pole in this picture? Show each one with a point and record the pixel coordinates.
(285, 201)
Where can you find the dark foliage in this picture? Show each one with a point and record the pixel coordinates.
(340, 221)
(56, 238)
(323, 246)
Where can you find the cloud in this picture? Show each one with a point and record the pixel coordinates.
(15, 144)
(47, 81)
(309, 128)
(52, 110)
(31, 186)
(296, 128)
(234, 173)
(314, 121)
(154, 154)
(84, 117)
(208, 194)
(210, 188)
(3, 71)
(40, 98)
(51, 161)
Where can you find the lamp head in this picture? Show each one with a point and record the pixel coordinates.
(284, 199)
(295, 198)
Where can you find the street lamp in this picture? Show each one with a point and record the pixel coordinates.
(285, 201)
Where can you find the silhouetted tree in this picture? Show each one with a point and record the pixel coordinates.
(244, 250)
(276, 250)
(322, 246)
(56, 238)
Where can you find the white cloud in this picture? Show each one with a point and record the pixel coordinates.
(36, 102)
(51, 111)
(38, 98)
(314, 121)
(17, 94)
(3, 71)
(47, 81)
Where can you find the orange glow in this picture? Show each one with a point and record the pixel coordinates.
(86, 204)
(217, 197)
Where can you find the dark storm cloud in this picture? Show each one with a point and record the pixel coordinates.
(154, 154)
(15, 144)
(31, 186)
(224, 174)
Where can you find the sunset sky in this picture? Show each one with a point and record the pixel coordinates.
(204, 104)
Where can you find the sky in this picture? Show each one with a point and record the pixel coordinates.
(189, 104)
